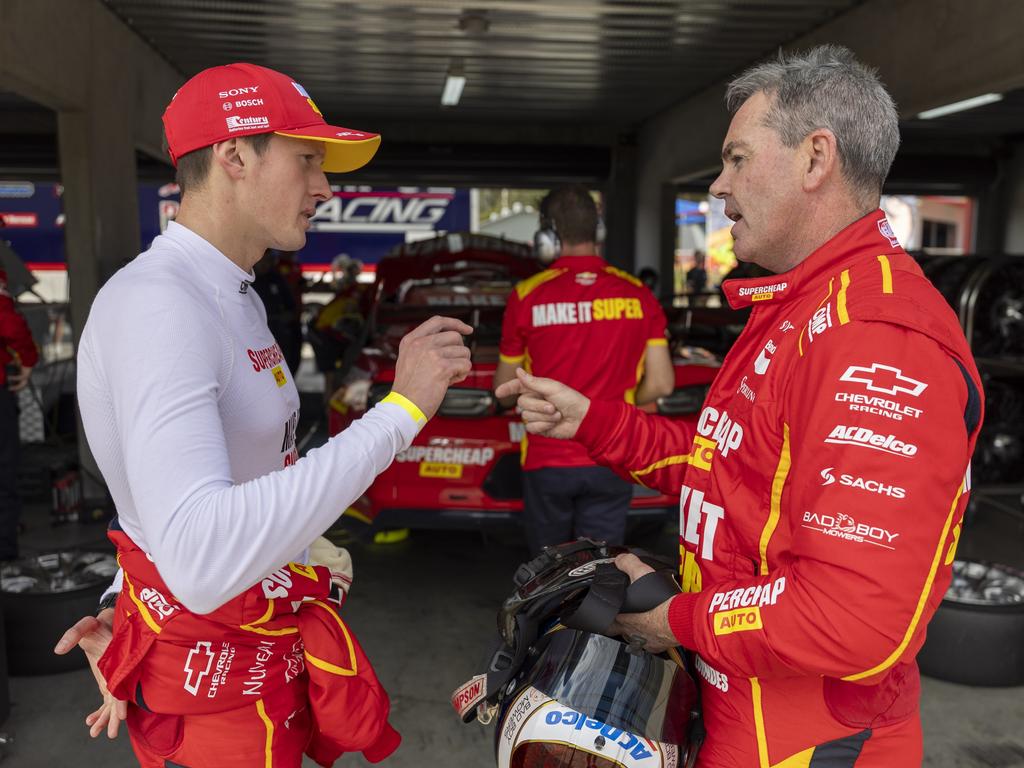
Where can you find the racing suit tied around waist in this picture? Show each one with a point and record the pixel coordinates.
(270, 642)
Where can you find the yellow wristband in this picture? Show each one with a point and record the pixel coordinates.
(406, 405)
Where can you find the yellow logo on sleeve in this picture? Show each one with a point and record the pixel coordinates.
(279, 376)
(739, 620)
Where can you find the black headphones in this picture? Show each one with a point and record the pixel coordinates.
(547, 245)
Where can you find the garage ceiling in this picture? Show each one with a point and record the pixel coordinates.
(552, 86)
(609, 62)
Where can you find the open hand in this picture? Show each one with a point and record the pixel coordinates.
(19, 380)
(93, 634)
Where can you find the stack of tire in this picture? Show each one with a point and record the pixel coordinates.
(977, 635)
(40, 597)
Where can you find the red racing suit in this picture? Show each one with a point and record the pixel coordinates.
(16, 342)
(820, 505)
(269, 675)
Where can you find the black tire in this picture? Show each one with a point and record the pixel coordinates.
(975, 644)
(36, 618)
(34, 624)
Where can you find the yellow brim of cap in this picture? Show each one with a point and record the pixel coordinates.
(342, 156)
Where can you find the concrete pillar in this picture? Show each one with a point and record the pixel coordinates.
(109, 89)
(620, 206)
(667, 237)
(1014, 202)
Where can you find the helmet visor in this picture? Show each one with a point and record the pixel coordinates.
(542, 754)
(599, 677)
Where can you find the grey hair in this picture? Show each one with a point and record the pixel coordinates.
(827, 87)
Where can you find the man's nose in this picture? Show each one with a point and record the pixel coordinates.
(719, 187)
(321, 188)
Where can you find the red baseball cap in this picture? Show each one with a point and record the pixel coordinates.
(221, 103)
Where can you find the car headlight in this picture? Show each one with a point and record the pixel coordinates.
(683, 400)
(463, 402)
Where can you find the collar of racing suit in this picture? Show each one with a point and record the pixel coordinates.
(580, 263)
(211, 263)
(871, 231)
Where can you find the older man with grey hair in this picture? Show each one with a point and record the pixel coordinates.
(822, 493)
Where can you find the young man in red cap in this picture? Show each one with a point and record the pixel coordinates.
(18, 352)
(224, 639)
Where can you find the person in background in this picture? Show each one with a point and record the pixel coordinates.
(649, 277)
(274, 284)
(583, 321)
(697, 276)
(18, 355)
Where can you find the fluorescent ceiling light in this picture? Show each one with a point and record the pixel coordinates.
(453, 86)
(960, 106)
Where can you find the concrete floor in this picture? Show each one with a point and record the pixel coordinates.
(425, 609)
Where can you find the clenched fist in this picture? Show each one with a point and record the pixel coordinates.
(431, 357)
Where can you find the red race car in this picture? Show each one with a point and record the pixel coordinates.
(463, 470)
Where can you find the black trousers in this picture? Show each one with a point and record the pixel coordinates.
(10, 450)
(563, 503)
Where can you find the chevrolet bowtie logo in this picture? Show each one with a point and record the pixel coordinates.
(884, 379)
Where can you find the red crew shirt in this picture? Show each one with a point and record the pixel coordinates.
(16, 344)
(584, 323)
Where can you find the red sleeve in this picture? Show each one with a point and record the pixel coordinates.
(878, 452)
(15, 334)
(650, 450)
(513, 331)
(656, 322)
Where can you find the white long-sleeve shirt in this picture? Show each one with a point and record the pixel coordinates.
(191, 411)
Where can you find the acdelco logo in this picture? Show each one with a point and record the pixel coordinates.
(873, 486)
(577, 721)
(865, 438)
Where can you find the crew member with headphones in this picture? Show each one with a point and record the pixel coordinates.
(600, 330)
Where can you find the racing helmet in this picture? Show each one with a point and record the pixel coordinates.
(566, 696)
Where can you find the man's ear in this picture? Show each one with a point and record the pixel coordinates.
(821, 156)
(229, 157)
